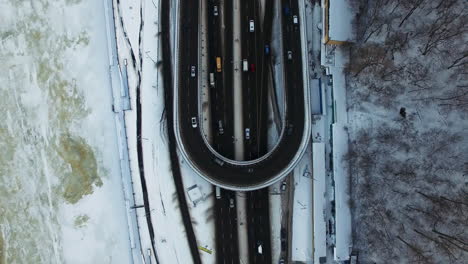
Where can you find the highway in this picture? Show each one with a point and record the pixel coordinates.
(186, 105)
(255, 118)
(232, 175)
(219, 18)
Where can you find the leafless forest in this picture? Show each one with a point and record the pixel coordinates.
(408, 112)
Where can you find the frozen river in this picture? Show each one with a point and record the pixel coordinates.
(60, 189)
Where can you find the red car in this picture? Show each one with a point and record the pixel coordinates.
(252, 67)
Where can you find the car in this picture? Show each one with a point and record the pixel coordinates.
(220, 127)
(219, 162)
(247, 133)
(289, 129)
(295, 20)
(283, 186)
(283, 245)
(251, 26)
(194, 122)
(252, 67)
(215, 10)
(281, 261)
(245, 65)
(231, 203)
(289, 55)
(267, 49)
(283, 233)
(283, 239)
(192, 71)
(259, 247)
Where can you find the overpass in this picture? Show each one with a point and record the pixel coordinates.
(296, 122)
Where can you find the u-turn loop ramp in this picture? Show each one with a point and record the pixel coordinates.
(202, 158)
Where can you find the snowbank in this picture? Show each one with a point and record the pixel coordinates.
(302, 231)
(343, 242)
(320, 226)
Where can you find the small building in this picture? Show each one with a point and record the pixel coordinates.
(337, 22)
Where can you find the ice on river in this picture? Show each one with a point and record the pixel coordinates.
(60, 191)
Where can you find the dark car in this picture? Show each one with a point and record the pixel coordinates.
(284, 236)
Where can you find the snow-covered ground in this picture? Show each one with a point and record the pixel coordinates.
(170, 236)
(60, 184)
(408, 128)
(302, 227)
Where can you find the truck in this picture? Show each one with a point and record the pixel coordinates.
(245, 65)
(218, 64)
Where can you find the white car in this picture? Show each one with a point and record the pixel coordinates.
(247, 133)
(231, 203)
(295, 20)
(259, 247)
(289, 55)
(215, 10)
(194, 122)
(283, 186)
(251, 26)
(192, 71)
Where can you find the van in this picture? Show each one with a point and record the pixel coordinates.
(245, 65)
(220, 127)
(251, 26)
(212, 81)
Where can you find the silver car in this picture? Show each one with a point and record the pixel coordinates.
(289, 55)
(192, 71)
(194, 122)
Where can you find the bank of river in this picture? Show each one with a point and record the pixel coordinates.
(60, 193)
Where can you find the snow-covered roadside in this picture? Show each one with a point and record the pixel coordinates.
(200, 199)
(302, 227)
(170, 237)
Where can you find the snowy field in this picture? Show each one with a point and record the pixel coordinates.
(60, 186)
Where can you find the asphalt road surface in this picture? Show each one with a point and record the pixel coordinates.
(201, 157)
